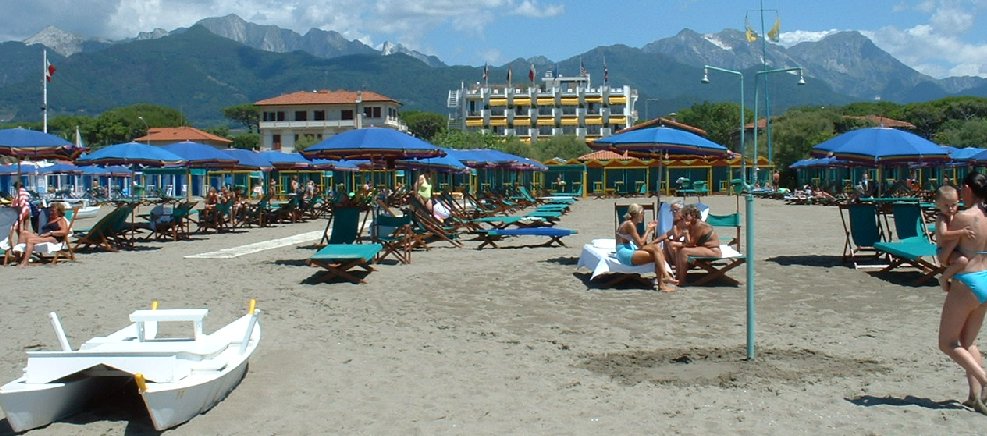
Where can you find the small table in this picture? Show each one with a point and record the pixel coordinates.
(142, 316)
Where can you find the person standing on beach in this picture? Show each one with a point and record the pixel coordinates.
(22, 201)
(966, 301)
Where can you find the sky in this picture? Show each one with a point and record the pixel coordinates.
(937, 37)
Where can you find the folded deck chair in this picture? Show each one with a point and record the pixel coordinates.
(555, 235)
(8, 220)
(341, 254)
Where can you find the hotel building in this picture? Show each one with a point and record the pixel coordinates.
(287, 118)
(556, 106)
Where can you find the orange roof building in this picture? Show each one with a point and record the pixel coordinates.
(288, 118)
(168, 135)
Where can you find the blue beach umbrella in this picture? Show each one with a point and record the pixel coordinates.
(62, 168)
(372, 143)
(660, 140)
(131, 153)
(249, 159)
(200, 155)
(284, 161)
(880, 145)
(32, 144)
(445, 163)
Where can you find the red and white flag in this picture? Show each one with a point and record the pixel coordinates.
(49, 70)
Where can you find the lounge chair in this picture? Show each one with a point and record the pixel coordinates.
(914, 246)
(599, 257)
(108, 233)
(619, 210)
(863, 230)
(342, 254)
(555, 235)
(395, 235)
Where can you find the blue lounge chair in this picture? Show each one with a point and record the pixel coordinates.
(341, 254)
(555, 235)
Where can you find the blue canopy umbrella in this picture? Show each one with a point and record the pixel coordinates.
(445, 163)
(12, 169)
(880, 145)
(372, 143)
(131, 153)
(62, 168)
(660, 140)
(249, 159)
(283, 161)
(25, 143)
(962, 156)
(196, 154)
(199, 155)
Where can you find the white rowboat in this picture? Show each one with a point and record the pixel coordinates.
(177, 378)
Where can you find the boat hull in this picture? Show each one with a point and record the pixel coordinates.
(29, 406)
(169, 408)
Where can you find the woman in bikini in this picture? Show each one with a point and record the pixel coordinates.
(966, 301)
(55, 230)
(634, 249)
(701, 241)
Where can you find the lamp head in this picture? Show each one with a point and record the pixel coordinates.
(705, 78)
(801, 78)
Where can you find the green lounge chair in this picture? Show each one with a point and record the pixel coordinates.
(8, 222)
(342, 254)
(862, 228)
(107, 232)
(914, 247)
(395, 235)
(717, 267)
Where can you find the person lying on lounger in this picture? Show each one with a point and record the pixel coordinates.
(634, 249)
(701, 241)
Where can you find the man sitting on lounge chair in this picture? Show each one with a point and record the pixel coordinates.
(701, 241)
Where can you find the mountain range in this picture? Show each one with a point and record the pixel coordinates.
(225, 61)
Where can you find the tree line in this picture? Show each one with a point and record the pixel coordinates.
(955, 121)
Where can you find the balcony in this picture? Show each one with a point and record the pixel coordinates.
(325, 124)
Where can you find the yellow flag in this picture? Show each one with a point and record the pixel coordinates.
(773, 33)
(751, 34)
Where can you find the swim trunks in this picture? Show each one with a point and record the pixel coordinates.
(625, 252)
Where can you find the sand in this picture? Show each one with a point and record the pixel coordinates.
(516, 341)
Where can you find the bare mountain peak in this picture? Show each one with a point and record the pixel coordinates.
(58, 40)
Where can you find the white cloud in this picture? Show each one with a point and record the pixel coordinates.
(531, 8)
(789, 39)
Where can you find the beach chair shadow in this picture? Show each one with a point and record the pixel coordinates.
(908, 400)
(342, 254)
(808, 260)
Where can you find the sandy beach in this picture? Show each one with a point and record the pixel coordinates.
(517, 341)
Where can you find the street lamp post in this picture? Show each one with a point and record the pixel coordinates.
(647, 107)
(748, 211)
(147, 129)
(767, 120)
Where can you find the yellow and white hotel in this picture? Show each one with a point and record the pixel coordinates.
(557, 106)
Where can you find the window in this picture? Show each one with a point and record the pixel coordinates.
(275, 142)
(347, 115)
(301, 116)
(280, 116)
(318, 115)
(268, 116)
(371, 112)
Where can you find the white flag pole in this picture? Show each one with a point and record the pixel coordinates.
(44, 92)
